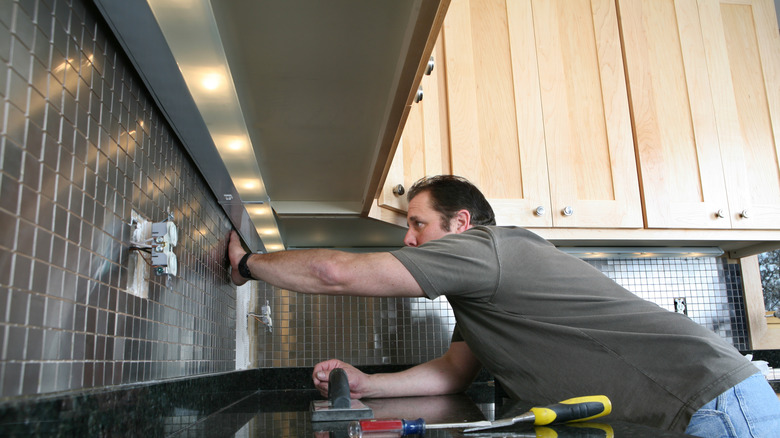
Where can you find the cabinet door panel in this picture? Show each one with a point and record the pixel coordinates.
(496, 135)
(585, 112)
(743, 58)
(673, 115)
(421, 151)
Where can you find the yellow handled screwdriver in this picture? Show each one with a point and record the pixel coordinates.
(574, 409)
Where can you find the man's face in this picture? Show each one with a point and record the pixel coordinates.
(424, 222)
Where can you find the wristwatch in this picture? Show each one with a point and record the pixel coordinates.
(243, 269)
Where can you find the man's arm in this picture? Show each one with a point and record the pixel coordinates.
(451, 373)
(321, 271)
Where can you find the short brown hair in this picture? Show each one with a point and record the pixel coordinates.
(450, 194)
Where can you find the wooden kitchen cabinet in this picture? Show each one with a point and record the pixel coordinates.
(743, 57)
(538, 111)
(703, 79)
(535, 107)
(536, 114)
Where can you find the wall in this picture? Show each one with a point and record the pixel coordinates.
(374, 331)
(82, 145)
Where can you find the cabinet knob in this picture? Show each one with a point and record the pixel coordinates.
(567, 211)
(744, 214)
(720, 214)
(429, 68)
(539, 211)
(399, 190)
(419, 96)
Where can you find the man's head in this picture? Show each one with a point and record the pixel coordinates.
(442, 205)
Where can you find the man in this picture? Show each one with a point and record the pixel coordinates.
(546, 325)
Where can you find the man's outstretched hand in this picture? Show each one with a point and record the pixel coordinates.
(235, 253)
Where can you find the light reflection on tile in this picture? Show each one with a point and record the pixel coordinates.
(70, 176)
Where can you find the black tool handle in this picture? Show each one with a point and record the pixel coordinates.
(573, 409)
(338, 389)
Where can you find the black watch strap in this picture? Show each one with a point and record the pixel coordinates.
(243, 269)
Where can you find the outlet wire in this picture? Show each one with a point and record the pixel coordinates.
(140, 253)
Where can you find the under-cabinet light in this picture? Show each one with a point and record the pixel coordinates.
(198, 51)
(641, 252)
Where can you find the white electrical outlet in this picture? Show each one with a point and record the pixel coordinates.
(164, 237)
(681, 305)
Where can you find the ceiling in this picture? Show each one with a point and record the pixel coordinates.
(290, 109)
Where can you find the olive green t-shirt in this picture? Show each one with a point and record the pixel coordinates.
(550, 327)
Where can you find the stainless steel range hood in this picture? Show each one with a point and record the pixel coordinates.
(290, 109)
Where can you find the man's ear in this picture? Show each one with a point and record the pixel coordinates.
(462, 221)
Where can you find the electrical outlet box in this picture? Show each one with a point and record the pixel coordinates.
(681, 306)
(138, 269)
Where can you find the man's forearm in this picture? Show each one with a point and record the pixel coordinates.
(429, 378)
(307, 271)
(451, 373)
(322, 271)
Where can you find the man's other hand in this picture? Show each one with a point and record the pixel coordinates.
(358, 381)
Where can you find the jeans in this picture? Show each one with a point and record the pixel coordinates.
(750, 409)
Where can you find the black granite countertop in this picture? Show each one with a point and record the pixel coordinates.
(287, 414)
(268, 403)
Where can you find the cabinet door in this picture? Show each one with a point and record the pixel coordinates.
(673, 115)
(742, 45)
(538, 111)
(587, 126)
(420, 152)
(496, 131)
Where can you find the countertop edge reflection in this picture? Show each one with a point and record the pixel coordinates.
(274, 401)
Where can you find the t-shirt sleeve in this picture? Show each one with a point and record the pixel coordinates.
(464, 265)
(456, 336)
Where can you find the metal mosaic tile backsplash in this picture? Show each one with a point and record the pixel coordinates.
(82, 145)
(711, 287)
(374, 331)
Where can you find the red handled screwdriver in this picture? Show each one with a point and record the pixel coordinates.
(389, 427)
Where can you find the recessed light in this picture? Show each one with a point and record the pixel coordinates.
(212, 81)
(236, 145)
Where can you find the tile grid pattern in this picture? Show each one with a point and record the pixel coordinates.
(711, 286)
(82, 146)
(375, 331)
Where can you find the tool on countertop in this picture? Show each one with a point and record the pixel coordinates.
(574, 409)
(395, 427)
(339, 406)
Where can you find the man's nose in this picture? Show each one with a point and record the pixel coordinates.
(409, 239)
